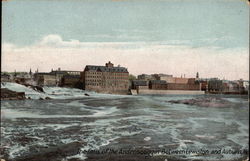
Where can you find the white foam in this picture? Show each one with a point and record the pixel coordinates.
(15, 150)
(57, 92)
(205, 136)
(60, 126)
(21, 88)
(13, 114)
(147, 138)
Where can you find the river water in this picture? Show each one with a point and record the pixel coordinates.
(126, 122)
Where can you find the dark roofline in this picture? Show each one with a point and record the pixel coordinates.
(106, 69)
(43, 73)
(158, 82)
(139, 82)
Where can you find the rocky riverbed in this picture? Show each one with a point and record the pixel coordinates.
(204, 102)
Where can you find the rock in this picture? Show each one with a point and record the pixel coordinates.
(204, 102)
(7, 94)
(86, 94)
(47, 98)
(36, 88)
(41, 98)
(55, 153)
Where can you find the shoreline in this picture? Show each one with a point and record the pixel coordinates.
(11, 94)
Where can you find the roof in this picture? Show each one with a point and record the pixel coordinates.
(139, 83)
(158, 82)
(105, 69)
(59, 72)
(43, 74)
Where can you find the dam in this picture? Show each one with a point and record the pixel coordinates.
(170, 92)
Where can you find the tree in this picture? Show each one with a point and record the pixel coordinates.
(131, 77)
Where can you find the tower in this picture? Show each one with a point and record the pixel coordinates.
(30, 72)
(109, 65)
(197, 75)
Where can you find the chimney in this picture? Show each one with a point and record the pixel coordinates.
(109, 65)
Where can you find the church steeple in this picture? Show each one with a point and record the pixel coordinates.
(30, 72)
(197, 75)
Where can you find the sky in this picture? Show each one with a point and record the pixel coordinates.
(146, 36)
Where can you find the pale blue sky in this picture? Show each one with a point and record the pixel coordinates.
(222, 23)
(146, 36)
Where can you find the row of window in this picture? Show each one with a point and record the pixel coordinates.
(106, 81)
(100, 73)
(101, 84)
(107, 77)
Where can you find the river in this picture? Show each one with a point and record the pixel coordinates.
(128, 123)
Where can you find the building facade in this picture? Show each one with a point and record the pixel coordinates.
(215, 85)
(157, 84)
(60, 74)
(45, 79)
(145, 77)
(72, 81)
(139, 84)
(106, 79)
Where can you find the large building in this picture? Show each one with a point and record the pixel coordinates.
(157, 84)
(59, 74)
(72, 81)
(145, 77)
(45, 79)
(139, 84)
(58, 78)
(107, 79)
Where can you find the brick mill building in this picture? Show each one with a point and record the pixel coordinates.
(106, 79)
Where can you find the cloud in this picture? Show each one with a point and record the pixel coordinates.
(139, 57)
(57, 41)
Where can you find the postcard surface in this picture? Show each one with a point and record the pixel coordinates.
(97, 80)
